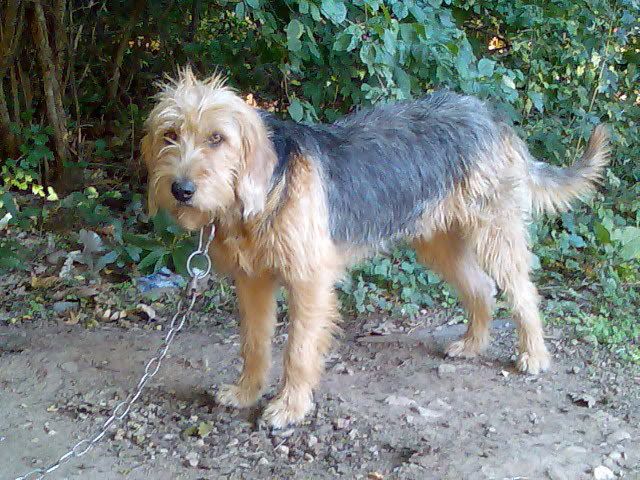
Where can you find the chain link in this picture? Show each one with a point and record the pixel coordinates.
(151, 368)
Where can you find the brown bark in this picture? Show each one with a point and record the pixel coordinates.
(125, 36)
(11, 16)
(25, 85)
(60, 41)
(8, 141)
(10, 32)
(53, 98)
(14, 94)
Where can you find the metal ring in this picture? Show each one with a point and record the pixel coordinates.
(199, 275)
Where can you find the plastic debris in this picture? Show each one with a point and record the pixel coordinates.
(162, 279)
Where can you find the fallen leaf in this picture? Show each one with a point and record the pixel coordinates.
(74, 318)
(43, 282)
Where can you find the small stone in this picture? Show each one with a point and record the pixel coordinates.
(341, 423)
(575, 370)
(308, 457)
(616, 457)
(283, 450)
(61, 307)
(583, 399)
(263, 461)
(603, 473)
(312, 441)
(398, 401)
(427, 412)
(446, 369)
(618, 436)
(284, 433)
(192, 459)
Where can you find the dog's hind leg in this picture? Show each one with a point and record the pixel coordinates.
(449, 254)
(502, 247)
(257, 304)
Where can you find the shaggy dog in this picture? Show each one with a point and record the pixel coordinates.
(294, 205)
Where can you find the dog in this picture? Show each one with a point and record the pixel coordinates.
(293, 205)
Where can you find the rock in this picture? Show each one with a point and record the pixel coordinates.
(283, 450)
(263, 461)
(618, 436)
(603, 473)
(341, 423)
(308, 457)
(583, 399)
(446, 369)
(192, 459)
(427, 413)
(61, 307)
(555, 473)
(397, 401)
(69, 367)
(312, 441)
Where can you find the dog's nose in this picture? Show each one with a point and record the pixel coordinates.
(183, 190)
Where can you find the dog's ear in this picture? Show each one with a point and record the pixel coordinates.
(257, 164)
(146, 147)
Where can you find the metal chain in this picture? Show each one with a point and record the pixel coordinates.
(152, 367)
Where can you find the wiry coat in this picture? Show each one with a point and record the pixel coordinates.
(295, 204)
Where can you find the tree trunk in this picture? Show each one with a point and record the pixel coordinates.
(8, 141)
(114, 81)
(53, 98)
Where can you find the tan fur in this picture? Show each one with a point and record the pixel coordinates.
(281, 236)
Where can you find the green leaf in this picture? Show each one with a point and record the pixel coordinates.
(52, 195)
(294, 32)
(631, 250)
(602, 234)
(538, 100)
(253, 3)
(334, 10)
(508, 81)
(179, 257)
(106, 259)
(239, 10)
(141, 241)
(152, 258)
(400, 10)
(486, 67)
(295, 110)
(315, 12)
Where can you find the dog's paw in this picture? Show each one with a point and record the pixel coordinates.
(534, 363)
(236, 396)
(287, 409)
(464, 348)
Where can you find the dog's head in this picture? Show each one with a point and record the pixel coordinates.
(207, 152)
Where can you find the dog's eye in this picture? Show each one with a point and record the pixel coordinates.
(170, 137)
(215, 139)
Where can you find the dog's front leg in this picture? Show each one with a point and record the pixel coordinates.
(313, 314)
(257, 304)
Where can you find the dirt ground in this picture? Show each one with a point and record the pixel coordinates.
(390, 406)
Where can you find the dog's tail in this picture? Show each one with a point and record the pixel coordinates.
(553, 188)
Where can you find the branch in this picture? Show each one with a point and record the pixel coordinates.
(114, 80)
